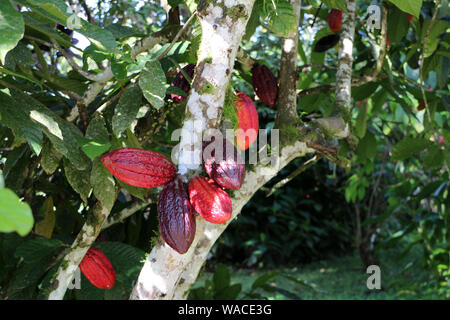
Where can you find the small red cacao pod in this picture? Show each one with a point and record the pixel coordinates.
(326, 43)
(410, 16)
(97, 268)
(223, 163)
(209, 200)
(335, 20)
(139, 167)
(248, 122)
(264, 84)
(176, 216)
(181, 82)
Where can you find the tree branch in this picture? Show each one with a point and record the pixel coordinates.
(287, 98)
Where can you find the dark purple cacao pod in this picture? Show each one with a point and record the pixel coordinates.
(326, 43)
(264, 84)
(223, 163)
(176, 216)
(181, 82)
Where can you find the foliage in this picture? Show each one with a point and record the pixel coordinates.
(68, 97)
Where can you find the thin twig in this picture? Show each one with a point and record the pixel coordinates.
(422, 83)
(178, 35)
(72, 62)
(295, 173)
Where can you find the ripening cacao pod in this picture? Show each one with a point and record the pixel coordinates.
(97, 268)
(264, 84)
(176, 216)
(181, 82)
(335, 20)
(421, 105)
(223, 164)
(139, 167)
(209, 200)
(410, 16)
(326, 43)
(248, 122)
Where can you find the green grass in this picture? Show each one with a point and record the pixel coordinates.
(344, 278)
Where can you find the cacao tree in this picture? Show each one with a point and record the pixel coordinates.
(104, 113)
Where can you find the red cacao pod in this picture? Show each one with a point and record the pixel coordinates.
(335, 20)
(176, 216)
(410, 16)
(209, 200)
(97, 268)
(248, 121)
(326, 43)
(264, 84)
(139, 167)
(181, 82)
(223, 164)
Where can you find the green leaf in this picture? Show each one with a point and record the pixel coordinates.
(263, 279)
(282, 19)
(20, 74)
(57, 11)
(78, 179)
(20, 55)
(336, 4)
(254, 20)
(409, 147)
(34, 22)
(122, 32)
(119, 69)
(97, 138)
(16, 117)
(127, 109)
(103, 184)
(434, 157)
(44, 227)
(153, 83)
(50, 157)
(35, 249)
(397, 25)
(361, 121)
(61, 133)
(228, 293)
(367, 147)
(410, 6)
(15, 215)
(12, 28)
(221, 277)
(438, 27)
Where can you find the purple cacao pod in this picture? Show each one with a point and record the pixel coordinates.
(223, 163)
(264, 84)
(176, 216)
(181, 82)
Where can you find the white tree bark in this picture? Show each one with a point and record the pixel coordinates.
(223, 25)
(168, 275)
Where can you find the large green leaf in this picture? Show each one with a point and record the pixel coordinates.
(409, 6)
(438, 27)
(282, 19)
(50, 157)
(17, 118)
(398, 25)
(127, 109)
(57, 11)
(221, 277)
(11, 28)
(367, 147)
(15, 215)
(61, 133)
(78, 179)
(103, 184)
(153, 83)
(409, 147)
